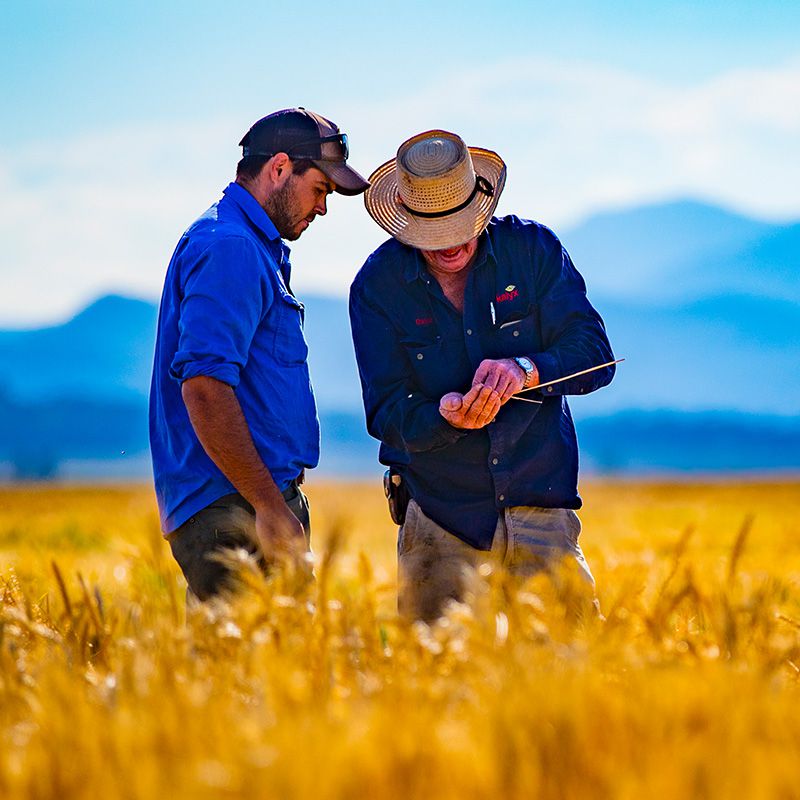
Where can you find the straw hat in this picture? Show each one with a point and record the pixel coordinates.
(437, 193)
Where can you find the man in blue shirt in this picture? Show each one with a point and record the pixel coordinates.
(233, 422)
(453, 318)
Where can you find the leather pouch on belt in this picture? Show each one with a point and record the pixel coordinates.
(396, 494)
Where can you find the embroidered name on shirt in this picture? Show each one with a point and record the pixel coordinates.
(424, 320)
(508, 295)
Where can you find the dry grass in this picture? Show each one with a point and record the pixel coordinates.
(689, 689)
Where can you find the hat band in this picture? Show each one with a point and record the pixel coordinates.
(481, 185)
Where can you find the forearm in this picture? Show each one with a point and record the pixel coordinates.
(222, 429)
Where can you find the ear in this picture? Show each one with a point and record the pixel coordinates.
(280, 168)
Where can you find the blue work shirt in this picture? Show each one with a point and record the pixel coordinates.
(523, 297)
(227, 312)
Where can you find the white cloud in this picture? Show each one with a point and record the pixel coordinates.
(103, 211)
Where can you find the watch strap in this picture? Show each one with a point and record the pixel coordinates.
(527, 365)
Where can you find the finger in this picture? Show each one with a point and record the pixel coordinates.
(455, 418)
(469, 398)
(292, 546)
(490, 410)
(486, 395)
(451, 401)
(489, 373)
(494, 377)
(478, 401)
(481, 372)
(505, 387)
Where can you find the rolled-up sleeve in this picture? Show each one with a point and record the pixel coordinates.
(225, 293)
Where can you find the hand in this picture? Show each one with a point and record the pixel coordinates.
(503, 375)
(280, 535)
(475, 409)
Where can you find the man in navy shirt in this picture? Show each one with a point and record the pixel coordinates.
(233, 422)
(453, 318)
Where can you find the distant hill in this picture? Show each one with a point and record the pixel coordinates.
(704, 305)
(644, 442)
(105, 351)
(72, 438)
(683, 250)
(37, 437)
(713, 352)
(735, 352)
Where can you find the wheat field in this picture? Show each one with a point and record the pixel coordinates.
(688, 688)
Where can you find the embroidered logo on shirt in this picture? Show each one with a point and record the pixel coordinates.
(510, 288)
(509, 294)
(424, 320)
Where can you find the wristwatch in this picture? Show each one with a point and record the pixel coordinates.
(527, 365)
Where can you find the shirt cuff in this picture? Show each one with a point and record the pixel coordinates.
(548, 367)
(226, 373)
(444, 432)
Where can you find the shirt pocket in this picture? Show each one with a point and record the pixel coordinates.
(517, 336)
(432, 374)
(290, 342)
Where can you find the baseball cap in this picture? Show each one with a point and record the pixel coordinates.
(303, 134)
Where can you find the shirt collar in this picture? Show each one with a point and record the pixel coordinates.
(251, 209)
(415, 266)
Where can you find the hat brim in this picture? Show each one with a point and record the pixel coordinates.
(346, 179)
(441, 233)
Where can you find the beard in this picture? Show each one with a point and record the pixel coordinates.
(282, 209)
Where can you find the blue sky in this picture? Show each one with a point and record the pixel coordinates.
(120, 120)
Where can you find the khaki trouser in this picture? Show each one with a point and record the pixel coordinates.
(434, 566)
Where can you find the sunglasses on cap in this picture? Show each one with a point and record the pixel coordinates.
(340, 153)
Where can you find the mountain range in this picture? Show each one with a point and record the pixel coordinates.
(704, 305)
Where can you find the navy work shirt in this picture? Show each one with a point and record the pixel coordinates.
(523, 297)
(227, 312)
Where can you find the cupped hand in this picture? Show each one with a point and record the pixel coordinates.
(473, 410)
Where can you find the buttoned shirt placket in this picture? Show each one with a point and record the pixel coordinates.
(476, 324)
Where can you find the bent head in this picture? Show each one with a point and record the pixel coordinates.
(291, 161)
